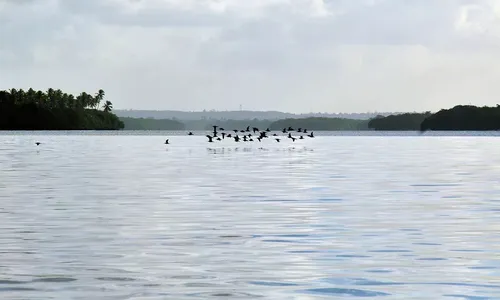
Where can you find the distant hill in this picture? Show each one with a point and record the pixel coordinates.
(151, 124)
(237, 115)
(316, 123)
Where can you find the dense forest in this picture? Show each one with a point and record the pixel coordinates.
(55, 110)
(331, 124)
(151, 124)
(464, 117)
(407, 121)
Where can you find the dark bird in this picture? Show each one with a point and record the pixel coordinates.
(278, 140)
(242, 130)
(209, 138)
(236, 138)
(263, 134)
(259, 138)
(221, 129)
(293, 139)
(305, 130)
(249, 135)
(218, 139)
(190, 133)
(299, 130)
(223, 135)
(250, 140)
(248, 128)
(301, 137)
(235, 130)
(275, 134)
(284, 130)
(311, 134)
(215, 130)
(268, 129)
(255, 129)
(229, 135)
(38, 143)
(289, 135)
(290, 129)
(166, 141)
(245, 138)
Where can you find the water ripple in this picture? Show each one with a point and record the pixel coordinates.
(117, 216)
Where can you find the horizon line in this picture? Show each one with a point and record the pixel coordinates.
(264, 111)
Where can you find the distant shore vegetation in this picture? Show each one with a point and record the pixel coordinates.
(460, 117)
(464, 118)
(152, 124)
(56, 110)
(406, 121)
(327, 124)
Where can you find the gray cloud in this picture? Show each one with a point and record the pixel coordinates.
(295, 55)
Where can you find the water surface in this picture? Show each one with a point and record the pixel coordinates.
(123, 216)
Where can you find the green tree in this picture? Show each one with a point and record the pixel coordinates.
(54, 110)
(98, 98)
(108, 106)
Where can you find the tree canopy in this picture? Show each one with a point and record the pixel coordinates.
(55, 110)
(464, 117)
(407, 121)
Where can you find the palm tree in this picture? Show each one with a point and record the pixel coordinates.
(98, 98)
(108, 106)
(85, 100)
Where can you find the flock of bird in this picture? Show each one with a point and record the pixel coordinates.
(247, 136)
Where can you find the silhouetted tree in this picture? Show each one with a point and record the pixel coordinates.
(98, 98)
(108, 106)
(53, 110)
(407, 121)
(464, 117)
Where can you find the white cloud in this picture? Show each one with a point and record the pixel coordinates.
(290, 55)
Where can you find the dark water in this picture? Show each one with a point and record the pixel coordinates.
(106, 216)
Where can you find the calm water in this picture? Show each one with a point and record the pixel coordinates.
(104, 216)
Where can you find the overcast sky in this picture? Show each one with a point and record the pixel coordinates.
(287, 55)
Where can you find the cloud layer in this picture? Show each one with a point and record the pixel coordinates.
(289, 55)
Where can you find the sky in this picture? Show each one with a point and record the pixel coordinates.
(289, 55)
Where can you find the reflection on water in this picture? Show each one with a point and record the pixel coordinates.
(127, 217)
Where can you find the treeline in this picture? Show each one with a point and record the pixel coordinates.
(460, 117)
(329, 124)
(464, 117)
(55, 110)
(309, 123)
(457, 118)
(406, 121)
(239, 124)
(175, 124)
(152, 124)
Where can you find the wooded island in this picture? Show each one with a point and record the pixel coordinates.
(56, 110)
